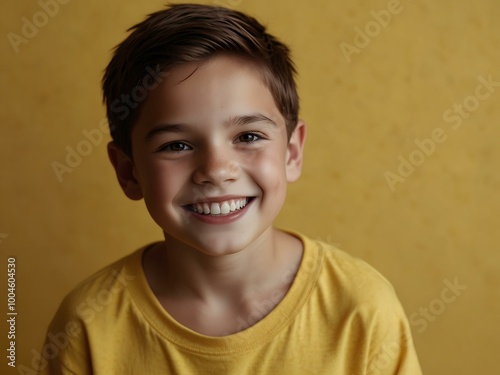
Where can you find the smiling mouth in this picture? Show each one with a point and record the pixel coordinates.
(219, 208)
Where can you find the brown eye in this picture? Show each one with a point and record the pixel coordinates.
(248, 138)
(174, 147)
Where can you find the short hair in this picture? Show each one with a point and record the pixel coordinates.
(186, 33)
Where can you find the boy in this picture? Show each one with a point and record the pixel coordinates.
(204, 114)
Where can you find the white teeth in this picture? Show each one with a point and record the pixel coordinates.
(225, 208)
(215, 209)
(220, 208)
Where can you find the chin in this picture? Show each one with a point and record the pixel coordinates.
(217, 248)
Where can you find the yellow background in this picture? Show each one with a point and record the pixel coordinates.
(440, 224)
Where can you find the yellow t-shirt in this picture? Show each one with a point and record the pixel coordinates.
(340, 316)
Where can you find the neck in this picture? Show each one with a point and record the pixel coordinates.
(179, 271)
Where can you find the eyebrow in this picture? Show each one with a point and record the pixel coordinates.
(235, 120)
(165, 128)
(249, 119)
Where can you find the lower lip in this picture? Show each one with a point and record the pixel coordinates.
(221, 219)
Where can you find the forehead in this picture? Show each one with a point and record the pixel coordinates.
(211, 90)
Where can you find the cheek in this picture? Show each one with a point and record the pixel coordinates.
(269, 171)
(161, 181)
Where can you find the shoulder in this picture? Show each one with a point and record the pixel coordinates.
(100, 291)
(359, 302)
(84, 316)
(355, 275)
(351, 283)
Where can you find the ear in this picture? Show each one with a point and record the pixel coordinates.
(295, 150)
(125, 171)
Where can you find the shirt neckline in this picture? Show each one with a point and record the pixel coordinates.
(261, 332)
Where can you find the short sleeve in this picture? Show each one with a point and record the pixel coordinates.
(391, 350)
(65, 350)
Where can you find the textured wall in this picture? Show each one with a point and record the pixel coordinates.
(402, 100)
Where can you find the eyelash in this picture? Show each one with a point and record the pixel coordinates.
(256, 135)
(167, 147)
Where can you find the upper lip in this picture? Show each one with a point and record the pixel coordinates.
(219, 199)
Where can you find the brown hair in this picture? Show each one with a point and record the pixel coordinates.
(185, 33)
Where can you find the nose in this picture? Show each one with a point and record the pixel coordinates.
(217, 167)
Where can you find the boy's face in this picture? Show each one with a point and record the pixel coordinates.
(210, 156)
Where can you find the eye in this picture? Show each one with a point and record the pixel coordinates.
(174, 147)
(248, 137)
